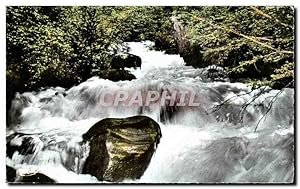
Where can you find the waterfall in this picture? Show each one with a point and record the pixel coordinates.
(213, 142)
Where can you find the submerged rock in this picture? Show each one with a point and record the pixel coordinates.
(215, 73)
(22, 143)
(121, 148)
(10, 174)
(116, 75)
(18, 103)
(32, 176)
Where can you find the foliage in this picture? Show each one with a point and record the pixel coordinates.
(62, 46)
(35, 46)
(254, 43)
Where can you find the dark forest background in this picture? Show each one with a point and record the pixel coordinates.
(63, 46)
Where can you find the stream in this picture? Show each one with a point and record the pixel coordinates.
(248, 139)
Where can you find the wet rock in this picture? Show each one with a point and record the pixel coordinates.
(24, 144)
(121, 148)
(167, 113)
(32, 176)
(17, 105)
(126, 61)
(116, 75)
(10, 174)
(215, 73)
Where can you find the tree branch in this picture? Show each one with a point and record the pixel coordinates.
(271, 104)
(269, 17)
(244, 107)
(240, 34)
(218, 107)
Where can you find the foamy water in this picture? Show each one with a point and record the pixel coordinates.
(198, 145)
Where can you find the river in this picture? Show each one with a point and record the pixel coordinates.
(248, 139)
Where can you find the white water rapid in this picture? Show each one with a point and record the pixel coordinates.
(203, 144)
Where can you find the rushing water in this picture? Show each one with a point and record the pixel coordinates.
(209, 143)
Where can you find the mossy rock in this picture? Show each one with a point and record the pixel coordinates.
(121, 148)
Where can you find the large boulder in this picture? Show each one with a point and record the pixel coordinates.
(121, 148)
(126, 61)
